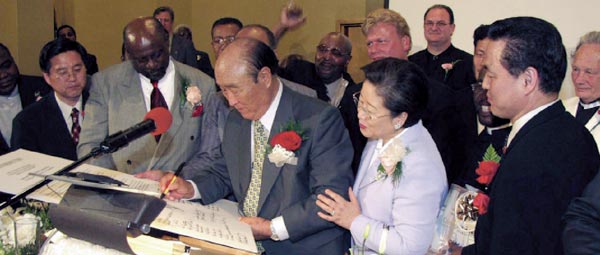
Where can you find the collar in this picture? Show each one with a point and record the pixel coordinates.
(13, 94)
(524, 119)
(593, 104)
(269, 117)
(380, 146)
(490, 130)
(66, 109)
(169, 73)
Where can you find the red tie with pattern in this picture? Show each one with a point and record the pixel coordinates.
(75, 128)
(157, 100)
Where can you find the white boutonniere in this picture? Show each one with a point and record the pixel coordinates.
(192, 96)
(391, 160)
(285, 143)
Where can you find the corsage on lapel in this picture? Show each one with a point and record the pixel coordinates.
(391, 160)
(192, 97)
(487, 170)
(284, 144)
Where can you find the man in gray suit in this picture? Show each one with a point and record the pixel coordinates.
(121, 95)
(278, 198)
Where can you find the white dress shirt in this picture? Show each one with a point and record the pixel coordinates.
(519, 123)
(10, 106)
(166, 85)
(66, 110)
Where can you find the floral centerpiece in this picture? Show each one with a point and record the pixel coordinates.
(191, 96)
(16, 238)
(284, 144)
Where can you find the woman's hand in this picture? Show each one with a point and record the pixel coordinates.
(339, 210)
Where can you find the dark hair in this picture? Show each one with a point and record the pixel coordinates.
(480, 33)
(63, 27)
(532, 42)
(56, 47)
(3, 47)
(441, 6)
(267, 31)
(401, 84)
(225, 21)
(164, 9)
(258, 55)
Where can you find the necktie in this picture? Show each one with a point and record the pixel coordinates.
(75, 128)
(157, 100)
(251, 200)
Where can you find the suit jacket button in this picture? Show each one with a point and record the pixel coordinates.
(192, 138)
(129, 162)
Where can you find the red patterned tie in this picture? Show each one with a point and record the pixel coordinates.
(157, 100)
(75, 128)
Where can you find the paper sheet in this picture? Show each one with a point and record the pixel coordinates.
(218, 223)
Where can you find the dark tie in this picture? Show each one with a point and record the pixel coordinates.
(75, 128)
(157, 100)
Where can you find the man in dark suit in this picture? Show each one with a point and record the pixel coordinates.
(52, 125)
(278, 200)
(16, 93)
(202, 60)
(180, 49)
(68, 32)
(550, 157)
(328, 77)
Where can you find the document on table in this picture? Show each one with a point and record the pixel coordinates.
(22, 169)
(218, 223)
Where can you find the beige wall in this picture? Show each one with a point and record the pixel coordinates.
(99, 23)
(25, 26)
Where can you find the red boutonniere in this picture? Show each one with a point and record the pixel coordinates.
(285, 143)
(486, 171)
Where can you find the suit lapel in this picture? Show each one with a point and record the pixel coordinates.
(133, 101)
(242, 159)
(270, 172)
(177, 112)
(57, 128)
(551, 112)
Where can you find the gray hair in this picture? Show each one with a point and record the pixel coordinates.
(589, 38)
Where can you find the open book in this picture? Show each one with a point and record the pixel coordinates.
(217, 223)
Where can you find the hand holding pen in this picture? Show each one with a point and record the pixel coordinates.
(174, 187)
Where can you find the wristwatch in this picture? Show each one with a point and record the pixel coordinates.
(274, 235)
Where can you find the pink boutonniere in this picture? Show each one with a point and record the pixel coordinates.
(487, 170)
(449, 66)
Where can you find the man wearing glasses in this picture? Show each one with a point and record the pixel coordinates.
(443, 62)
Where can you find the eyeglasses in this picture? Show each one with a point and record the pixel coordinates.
(223, 40)
(322, 49)
(361, 108)
(439, 24)
(66, 74)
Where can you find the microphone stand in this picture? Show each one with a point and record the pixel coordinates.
(98, 151)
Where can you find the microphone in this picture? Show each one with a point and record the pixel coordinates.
(156, 122)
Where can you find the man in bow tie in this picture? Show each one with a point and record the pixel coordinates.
(586, 80)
